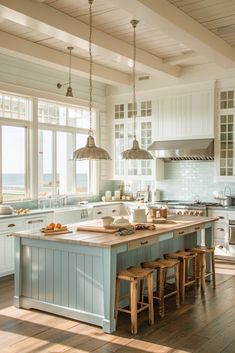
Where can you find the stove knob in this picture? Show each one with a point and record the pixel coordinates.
(179, 212)
(196, 213)
(186, 212)
(201, 213)
(191, 213)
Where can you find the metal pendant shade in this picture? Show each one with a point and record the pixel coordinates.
(90, 151)
(135, 152)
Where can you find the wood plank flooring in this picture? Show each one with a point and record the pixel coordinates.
(203, 325)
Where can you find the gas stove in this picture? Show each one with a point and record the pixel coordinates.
(185, 207)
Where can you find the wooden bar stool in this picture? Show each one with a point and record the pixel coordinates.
(134, 275)
(161, 266)
(202, 272)
(185, 258)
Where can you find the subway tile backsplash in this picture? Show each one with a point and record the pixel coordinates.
(185, 180)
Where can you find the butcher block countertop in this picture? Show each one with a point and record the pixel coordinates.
(178, 225)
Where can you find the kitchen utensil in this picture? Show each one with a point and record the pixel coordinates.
(108, 195)
(117, 194)
(121, 222)
(107, 221)
(137, 215)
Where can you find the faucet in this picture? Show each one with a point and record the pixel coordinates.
(225, 190)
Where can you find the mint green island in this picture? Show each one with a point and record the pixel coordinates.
(73, 275)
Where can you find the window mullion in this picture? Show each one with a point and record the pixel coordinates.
(1, 196)
(54, 162)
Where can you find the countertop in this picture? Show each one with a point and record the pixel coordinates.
(109, 240)
(31, 213)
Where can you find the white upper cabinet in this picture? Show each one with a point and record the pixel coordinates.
(225, 142)
(184, 115)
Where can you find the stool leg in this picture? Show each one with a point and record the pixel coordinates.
(177, 285)
(182, 280)
(203, 272)
(133, 306)
(161, 287)
(198, 268)
(213, 268)
(150, 298)
(142, 291)
(195, 266)
(117, 298)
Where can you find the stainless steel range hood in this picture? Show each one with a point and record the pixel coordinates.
(199, 149)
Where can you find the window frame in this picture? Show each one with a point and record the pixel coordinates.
(32, 127)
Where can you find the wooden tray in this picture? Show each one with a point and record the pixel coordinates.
(55, 232)
(98, 229)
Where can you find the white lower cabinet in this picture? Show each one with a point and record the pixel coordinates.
(15, 224)
(7, 227)
(221, 228)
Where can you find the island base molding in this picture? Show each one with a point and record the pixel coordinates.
(28, 303)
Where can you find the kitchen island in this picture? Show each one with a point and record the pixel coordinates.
(74, 274)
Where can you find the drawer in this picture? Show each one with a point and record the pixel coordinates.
(140, 243)
(12, 224)
(196, 228)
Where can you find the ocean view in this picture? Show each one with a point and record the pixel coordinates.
(15, 182)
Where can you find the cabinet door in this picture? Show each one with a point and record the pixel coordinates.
(226, 145)
(7, 227)
(124, 133)
(6, 255)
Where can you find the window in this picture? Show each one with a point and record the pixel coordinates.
(131, 110)
(146, 108)
(119, 111)
(15, 116)
(226, 99)
(13, 167)
(14, 107)
(58, 172)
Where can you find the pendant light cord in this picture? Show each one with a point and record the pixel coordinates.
(70, 50)
(134, 24)
(90, 67)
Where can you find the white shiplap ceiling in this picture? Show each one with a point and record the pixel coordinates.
(163, 45)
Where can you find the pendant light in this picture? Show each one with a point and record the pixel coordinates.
(135, 152)
(69, 92)
(90, 151)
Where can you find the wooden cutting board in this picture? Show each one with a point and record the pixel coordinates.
(97, 229)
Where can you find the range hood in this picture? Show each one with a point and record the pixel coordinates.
(198, 149)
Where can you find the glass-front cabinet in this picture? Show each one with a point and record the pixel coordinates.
(225, 139)
(124, 132)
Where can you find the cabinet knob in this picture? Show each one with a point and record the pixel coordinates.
(114, 211)
(11, 225)
(181, 232)
(99, 212)
(221, 217)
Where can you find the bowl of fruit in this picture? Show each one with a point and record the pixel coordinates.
(55, 228)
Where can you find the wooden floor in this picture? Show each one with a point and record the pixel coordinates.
(203, 325)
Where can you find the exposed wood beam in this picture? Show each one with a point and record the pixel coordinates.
(180, 59)
(52, 22)
(178, 25)
(56, 59)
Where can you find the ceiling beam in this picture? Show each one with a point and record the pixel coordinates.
(56, 24)
(180, 59)
(59, 60)
(178, 25)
